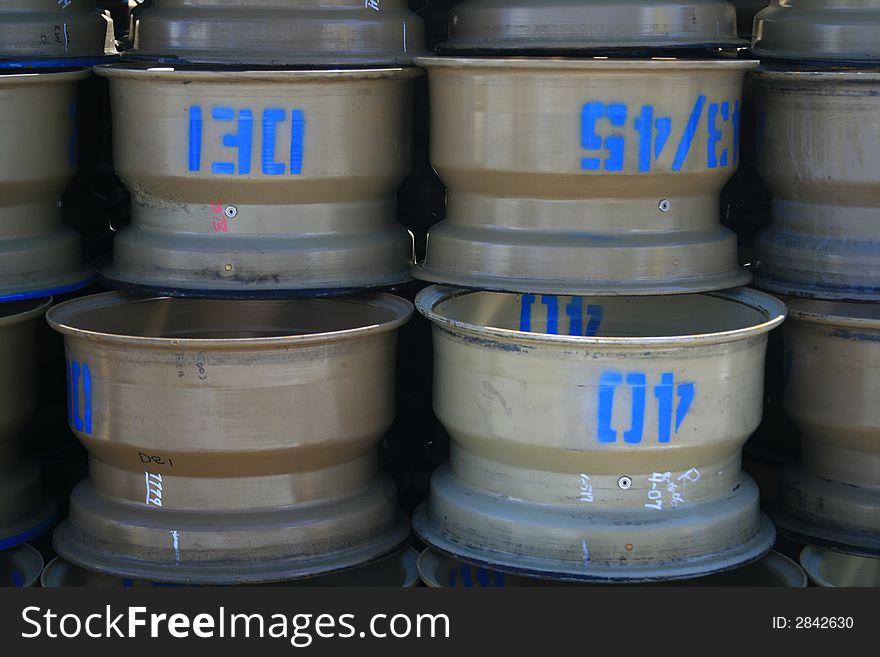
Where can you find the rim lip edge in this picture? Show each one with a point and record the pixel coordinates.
(871, 75)
(813, 555)
(772, 308)
(41, 307)
(757, 548)
(583, 64)
(32, 552)
(61, 319)
(430, 561)
(168, 72)
(21, 77)
(832, 319)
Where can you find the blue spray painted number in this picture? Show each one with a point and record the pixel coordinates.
(475, 577)
(615, 113)
(653, 133)
(665, 393)
(274, 122)
(79, 396)
(583, 320)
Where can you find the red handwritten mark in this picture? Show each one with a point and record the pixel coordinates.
(219, 218)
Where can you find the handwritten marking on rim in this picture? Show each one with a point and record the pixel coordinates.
(585, 552)
(154, 489)
(175, 544)
(218, 221)
(586, 489)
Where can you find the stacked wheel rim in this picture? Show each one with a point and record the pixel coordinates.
(561, 25)
(278, 32)
(300, 203)
(25, 512)
(638, 475)
(204, 465)
(39, 256)
(610, 184)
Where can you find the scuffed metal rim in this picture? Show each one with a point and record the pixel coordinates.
(38, 308)
(787, 569)
(429, 565)
(278, 570)
(32, 527)
(547, 47)
(407, 558)
(798, 77)
(811, 558)
(835, 539)
(317, 60)
(736, 557)
(789, 288)
(737, 277)
(772, 308)
(33, 561)
(53, 290)
(20, 78)
(664, 64)
(171, 72)
(106, 277)
(810, 310)
(62, 318)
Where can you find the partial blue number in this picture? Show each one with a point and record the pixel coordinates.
(550, 308)
(79, 396)
(652, 133)
(668, 394)
(465, 577)
(614, 144)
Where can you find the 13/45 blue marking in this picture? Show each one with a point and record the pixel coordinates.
(604, 133)
(274, 122)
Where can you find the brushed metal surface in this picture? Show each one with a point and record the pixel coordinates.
(832, 386)
(279, 32)
(818, 30)
(590, 24)
(590, 176)
(51, 29)
(230, 441)
(828, 568)
(261, 183)
(24, 510)
(819, 153)
(439, 570)
(399, 569)
(39, 256)
(598, 438)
